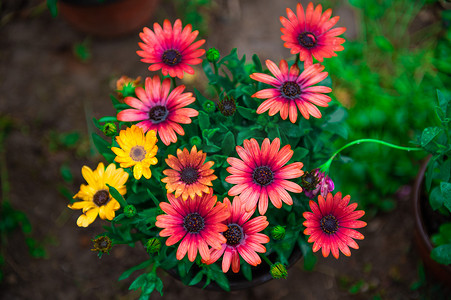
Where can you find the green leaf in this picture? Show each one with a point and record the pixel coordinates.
(309, 258)
(428, 135)
(247, 271)
(204, 120)
(210, 148)
(199, 96)
(196, 279)
(103, 147)
(443, 104)
(436, 199)
(247, 113)
(129, 272)
(53, 8)
(442, 254)
(116, 195)
(108, 119)
(257, 63)
(383, 43)
(228, 144)
(66, 173)
(159, 285)
(138, 282)
(445, 188)
(299, 153)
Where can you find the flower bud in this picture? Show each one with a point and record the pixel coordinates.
(195, 141)
(102, 244)
(227, 106)
(153, 245)
(212, 55)
(278, 232)
(109, 129)
(130, 211)
(317, 183)
(209, 106)
(278, 271)
(126, 86)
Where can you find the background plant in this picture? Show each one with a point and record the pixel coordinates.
(387, 78)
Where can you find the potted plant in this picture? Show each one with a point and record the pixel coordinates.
(232, 178)
(106, 18)
(432, 195)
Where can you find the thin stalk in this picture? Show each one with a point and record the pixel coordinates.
(325, 167)
(174, 84)
(266, 259)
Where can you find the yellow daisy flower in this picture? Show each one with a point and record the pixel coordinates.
(96, 199)
(137, 150)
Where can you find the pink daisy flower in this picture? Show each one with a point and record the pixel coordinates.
(310, 33)
(243, 238)
(330, 225)
(292, 91)
(159, 110)
(171, 49)
(197, 223)
(262, 174)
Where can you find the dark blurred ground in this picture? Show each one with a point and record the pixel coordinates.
(45, 90)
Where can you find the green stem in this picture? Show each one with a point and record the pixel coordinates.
(325, 167)
(266, 259)
(174, 84)
(296, 61)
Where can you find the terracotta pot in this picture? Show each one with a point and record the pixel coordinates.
(422, 239)
(260, 274)
(110, 18)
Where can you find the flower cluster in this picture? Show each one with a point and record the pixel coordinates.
(179, 155)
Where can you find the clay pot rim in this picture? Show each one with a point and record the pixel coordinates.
(417, 188)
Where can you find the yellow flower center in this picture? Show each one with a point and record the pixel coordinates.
(101, 197)
(137, 153)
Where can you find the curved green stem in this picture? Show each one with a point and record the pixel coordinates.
(325, 167)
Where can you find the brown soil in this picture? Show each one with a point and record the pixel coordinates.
(45, 90)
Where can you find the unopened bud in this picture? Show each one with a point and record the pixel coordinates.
(109, 129)
(278, 232)
(212, 55)
(153, 245)
(130, 211)
(278, 271)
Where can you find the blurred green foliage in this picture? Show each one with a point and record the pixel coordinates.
(12, 219)
(194, 12)
(387, 77)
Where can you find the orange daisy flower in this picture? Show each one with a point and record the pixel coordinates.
(190, 175)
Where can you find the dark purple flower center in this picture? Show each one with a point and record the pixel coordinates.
(101, 197)
(227, 106)
(234, 234)
(193, 223)
(307, 40)
(263, 175)
(137, 153)
(329, 224)
(189, 175)
(291, 89)
(158, 114)
(171, 57)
